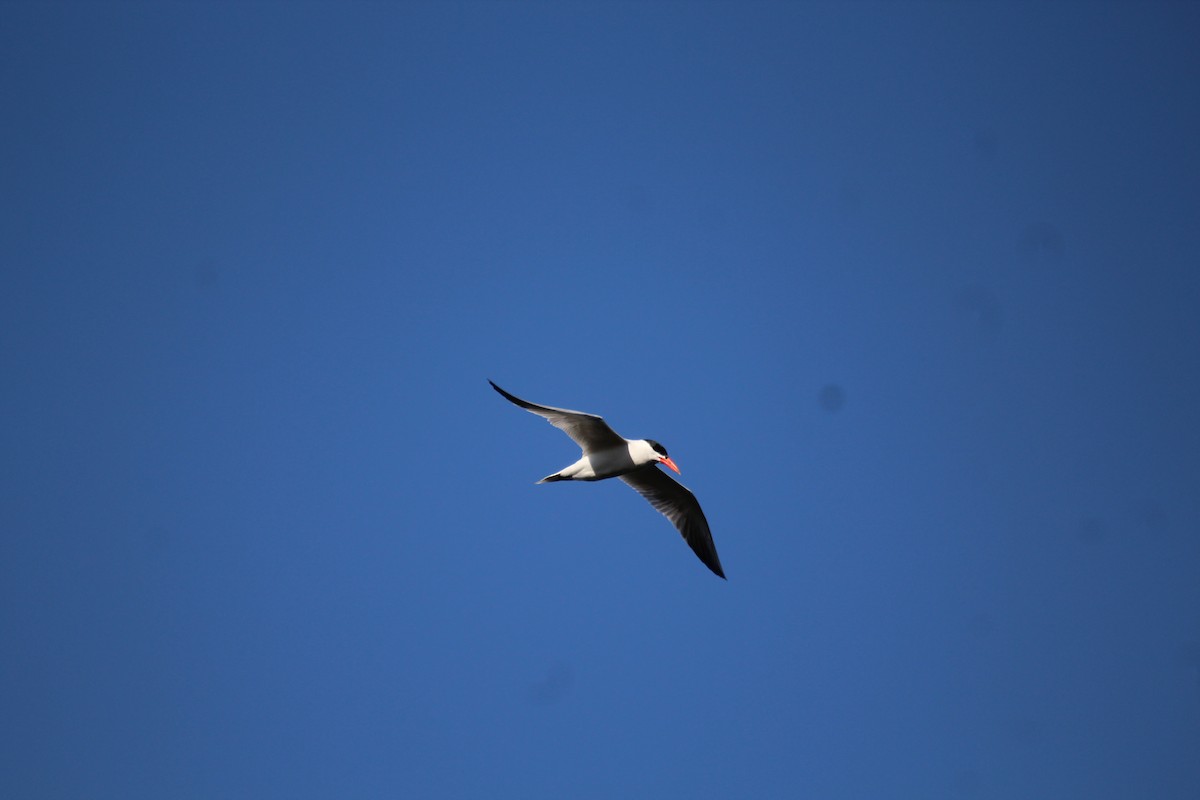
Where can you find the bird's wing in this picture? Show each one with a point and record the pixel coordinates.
(674, 501)
(588, 431)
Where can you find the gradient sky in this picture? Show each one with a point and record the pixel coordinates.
(909, 291)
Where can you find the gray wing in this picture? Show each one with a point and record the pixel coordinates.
(588, 431)
(674, 501)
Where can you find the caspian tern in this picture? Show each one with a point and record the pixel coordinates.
(609, 455)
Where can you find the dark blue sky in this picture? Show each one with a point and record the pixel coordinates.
(909, 291)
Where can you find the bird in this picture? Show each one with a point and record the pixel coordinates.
(607, 454)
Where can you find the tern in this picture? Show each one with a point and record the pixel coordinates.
(606, 454)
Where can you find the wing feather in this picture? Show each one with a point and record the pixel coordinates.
(588, 431)
(674, 501)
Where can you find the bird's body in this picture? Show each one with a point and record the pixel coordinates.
(609, 463)
(609, 455)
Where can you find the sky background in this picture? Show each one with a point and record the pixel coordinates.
(909, 291)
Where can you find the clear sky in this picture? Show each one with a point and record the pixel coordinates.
(909, 291)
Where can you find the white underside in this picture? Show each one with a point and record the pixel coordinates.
(610, 463)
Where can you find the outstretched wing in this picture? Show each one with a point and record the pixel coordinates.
(674, 501)
(588, 431)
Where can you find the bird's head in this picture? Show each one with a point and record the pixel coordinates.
(661, 452)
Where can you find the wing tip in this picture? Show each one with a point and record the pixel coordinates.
(707, 554)
(505, 394)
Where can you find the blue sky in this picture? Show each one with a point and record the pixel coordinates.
(267, 531)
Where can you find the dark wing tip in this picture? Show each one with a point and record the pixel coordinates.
(506, 395)
(699, 538)
(696, 532)
(706, 552)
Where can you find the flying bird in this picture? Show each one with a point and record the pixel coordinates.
(606, 454)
